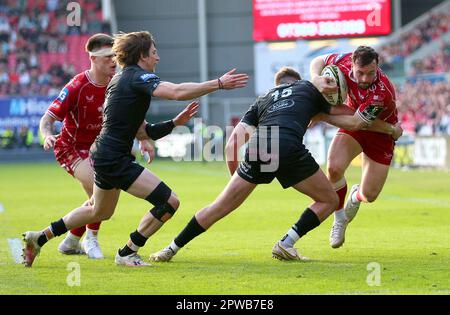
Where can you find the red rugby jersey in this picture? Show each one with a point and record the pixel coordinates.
(378, 101)
(80, 107)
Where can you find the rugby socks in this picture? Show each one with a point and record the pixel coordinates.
(56, 228)
(341, 189)
(192, 230)
(308, 221)
(174, 247)
(136, 241)
(94, 226)
(78, 231)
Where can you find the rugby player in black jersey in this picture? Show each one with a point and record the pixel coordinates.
(274, 126)
(127, 100)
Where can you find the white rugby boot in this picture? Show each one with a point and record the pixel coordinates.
(92, 248)
(286, 253)
(163, 255)
(337, 234)
(351, 208)
(70, 246)
(132, 260)
(31, 248)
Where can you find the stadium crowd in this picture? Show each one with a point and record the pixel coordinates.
(436, 63)
(424, 107)
(31, 31)
(432, 28)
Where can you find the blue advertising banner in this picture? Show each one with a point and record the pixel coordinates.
(16, 112)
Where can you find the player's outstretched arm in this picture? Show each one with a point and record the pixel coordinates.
(191, 90)
(240, 135)
(45, 127)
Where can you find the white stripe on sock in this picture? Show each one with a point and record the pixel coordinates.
(293, 234)
(339, 184)
(174, 247)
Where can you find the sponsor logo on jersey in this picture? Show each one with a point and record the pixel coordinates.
(282, 104)
(372, 111)
(94, 126)
(63, 94)
(378, 99)
(147, 76)
(90, 98)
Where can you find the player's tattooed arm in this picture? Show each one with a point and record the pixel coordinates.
(46, 128)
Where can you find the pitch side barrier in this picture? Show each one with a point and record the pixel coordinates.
(422, 152)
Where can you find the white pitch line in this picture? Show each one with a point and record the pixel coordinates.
(15, 246)
(2, 209)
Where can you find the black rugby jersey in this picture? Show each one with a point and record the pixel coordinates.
(128, 97)
(290, 107)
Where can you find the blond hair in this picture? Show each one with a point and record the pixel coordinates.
(286, 75)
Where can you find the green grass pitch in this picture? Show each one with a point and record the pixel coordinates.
(405, 232)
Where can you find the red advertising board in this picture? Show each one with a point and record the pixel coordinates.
(313, 19)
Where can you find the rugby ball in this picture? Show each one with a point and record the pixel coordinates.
(341, 95)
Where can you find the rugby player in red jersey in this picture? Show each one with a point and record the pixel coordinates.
(372, 130)
(80, 107)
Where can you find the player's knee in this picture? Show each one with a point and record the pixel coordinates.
(174, 201)
(104, 217)
(101, 214)
(165, 202)
(370, 196)
(335, 172)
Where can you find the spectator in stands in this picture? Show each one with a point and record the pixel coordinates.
(432, 28)
(437, 63)
(8, 138)
(25, 137)
(29, 29)
(424, 107)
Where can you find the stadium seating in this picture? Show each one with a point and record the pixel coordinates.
(35, 37)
